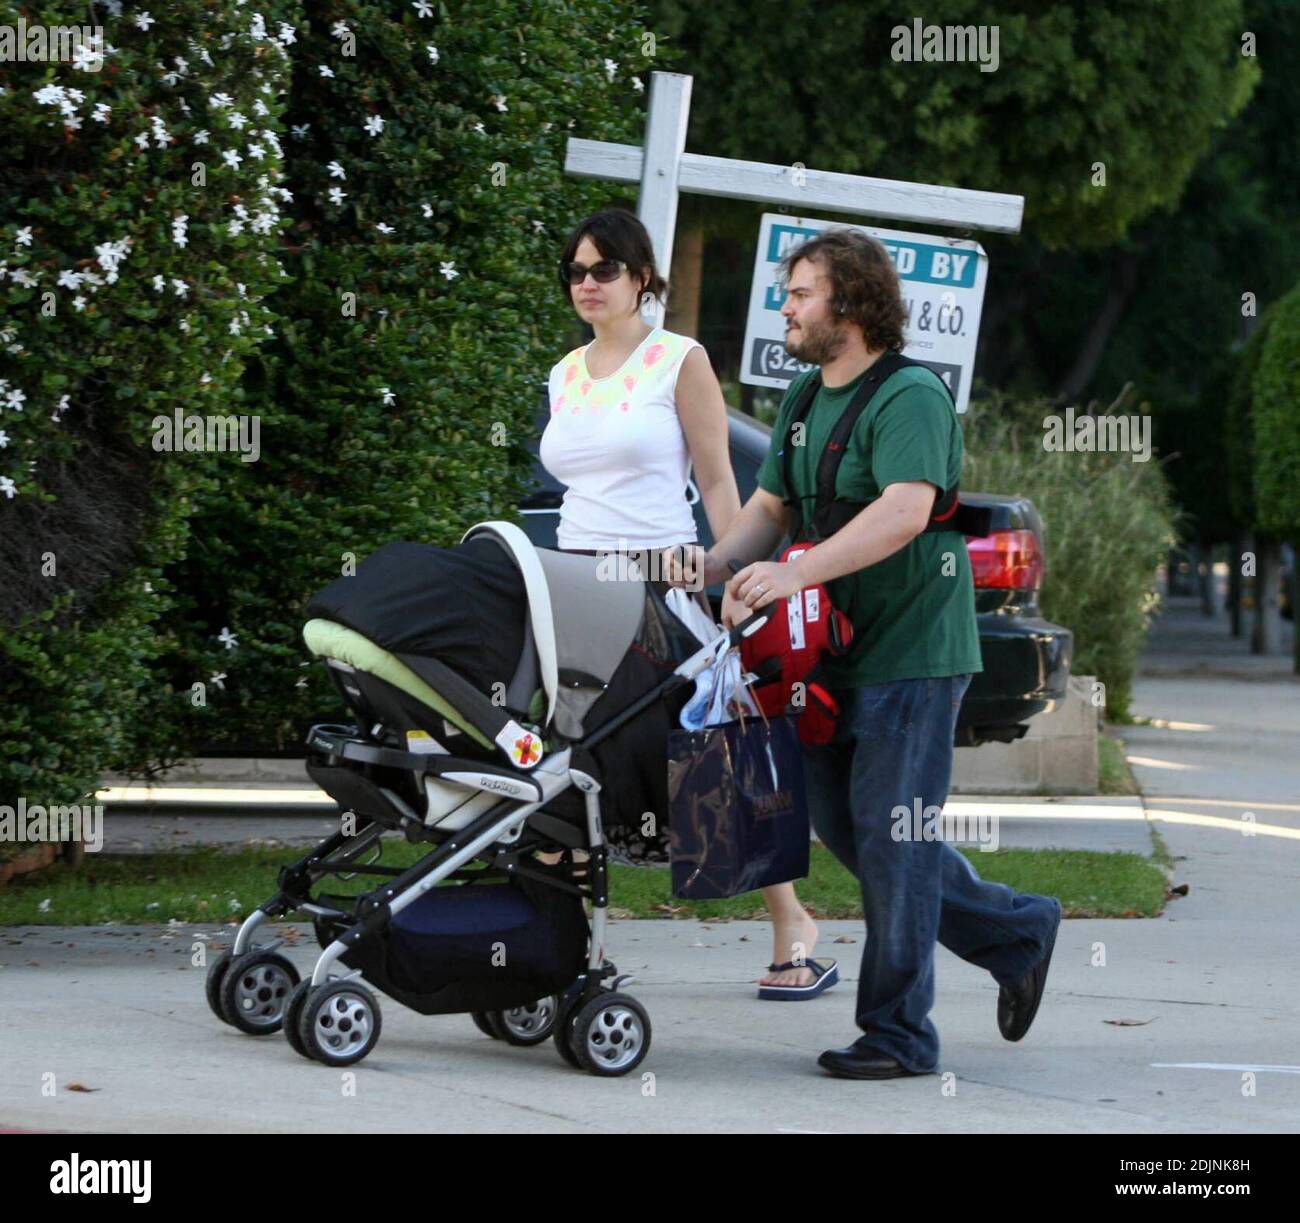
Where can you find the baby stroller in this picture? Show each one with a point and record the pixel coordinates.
(508, 701)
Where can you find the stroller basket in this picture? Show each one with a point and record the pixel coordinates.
(481, 946)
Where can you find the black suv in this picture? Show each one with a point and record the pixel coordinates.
(1026, 658)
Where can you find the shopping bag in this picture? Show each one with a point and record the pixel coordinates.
(737, 814)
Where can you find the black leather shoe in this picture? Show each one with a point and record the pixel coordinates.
(863, 1062)
(1018, 1004)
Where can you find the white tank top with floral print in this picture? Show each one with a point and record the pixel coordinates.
(618, 445)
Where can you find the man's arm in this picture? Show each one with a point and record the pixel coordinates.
(892, 521)
(754, 534)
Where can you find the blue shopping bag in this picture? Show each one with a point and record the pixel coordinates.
(737, 814)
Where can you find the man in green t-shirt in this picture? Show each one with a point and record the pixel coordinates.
(909, 594)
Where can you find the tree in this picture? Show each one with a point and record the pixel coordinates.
(1275, 389)
(1096, 113)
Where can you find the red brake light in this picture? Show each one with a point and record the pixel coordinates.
(1006, 560)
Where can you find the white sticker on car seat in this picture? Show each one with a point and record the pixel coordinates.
(812, 606)
(423, 743)
(794, 612)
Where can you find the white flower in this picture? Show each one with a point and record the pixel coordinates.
(336, 170)
(143, 140)
(68, 279)
(86, 59)
(448, 269)
(257, 28)
(299, 130)
(235, 119)
(218, 100)
(178, 229)
(23, 237)
(4, 439)
(374, 125)
(143, 21)
(499, 101)
(611, 67)
(228, 639)
(216, 679)
(184, 324)
(79, 304)
(24, 278)
(433, 52)
(16, 398)
(287, 34)
(637, 84)
(482, 131)
(102, 111)
(337, 195)
(388, 396)
(159, 284)
(8, 487)
(422, 8)
(180, 288)
(201, 136)
(538, 227)
(326, 70)
(340, 29)
(384, 229)
(235, 905)
(256, 151)
(428, 209)
(232, 158)
(260, 107)
(44, 906)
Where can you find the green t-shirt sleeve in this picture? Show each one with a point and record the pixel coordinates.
(771, 474)
(913, 438)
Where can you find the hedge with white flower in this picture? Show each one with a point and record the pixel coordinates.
(136, 256)
(423, 313)
(413, 238)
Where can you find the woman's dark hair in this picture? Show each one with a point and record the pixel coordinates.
(864, 284)
(618, 234)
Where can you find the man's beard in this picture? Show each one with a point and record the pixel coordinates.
(817, 345)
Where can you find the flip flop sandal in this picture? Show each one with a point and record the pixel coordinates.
(825, 974)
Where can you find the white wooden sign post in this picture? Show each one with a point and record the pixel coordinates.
(664, 169)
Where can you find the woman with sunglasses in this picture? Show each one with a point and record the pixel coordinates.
(631, 413)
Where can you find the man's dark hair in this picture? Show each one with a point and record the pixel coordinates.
(618, 234)
(864, 284)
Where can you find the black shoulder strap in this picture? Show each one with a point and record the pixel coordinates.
(797, 416)
(829, 465)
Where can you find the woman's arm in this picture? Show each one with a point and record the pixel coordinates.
(703, 413)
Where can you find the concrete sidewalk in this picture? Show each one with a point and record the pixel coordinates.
(121, 1011)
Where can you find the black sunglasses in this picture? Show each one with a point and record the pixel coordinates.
(604, 272)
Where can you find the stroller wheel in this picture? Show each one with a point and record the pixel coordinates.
(212, 983)
(610, 1034)
(255, 991)
(293, 1018)
(339, 1023)
(484, 1024)
(526, 1025)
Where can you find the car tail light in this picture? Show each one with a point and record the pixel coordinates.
(1006, 560)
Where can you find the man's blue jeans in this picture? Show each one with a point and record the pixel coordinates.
(893, 748)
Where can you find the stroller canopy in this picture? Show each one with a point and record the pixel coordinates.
(496, 617)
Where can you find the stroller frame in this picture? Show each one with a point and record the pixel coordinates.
(594, 1025)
